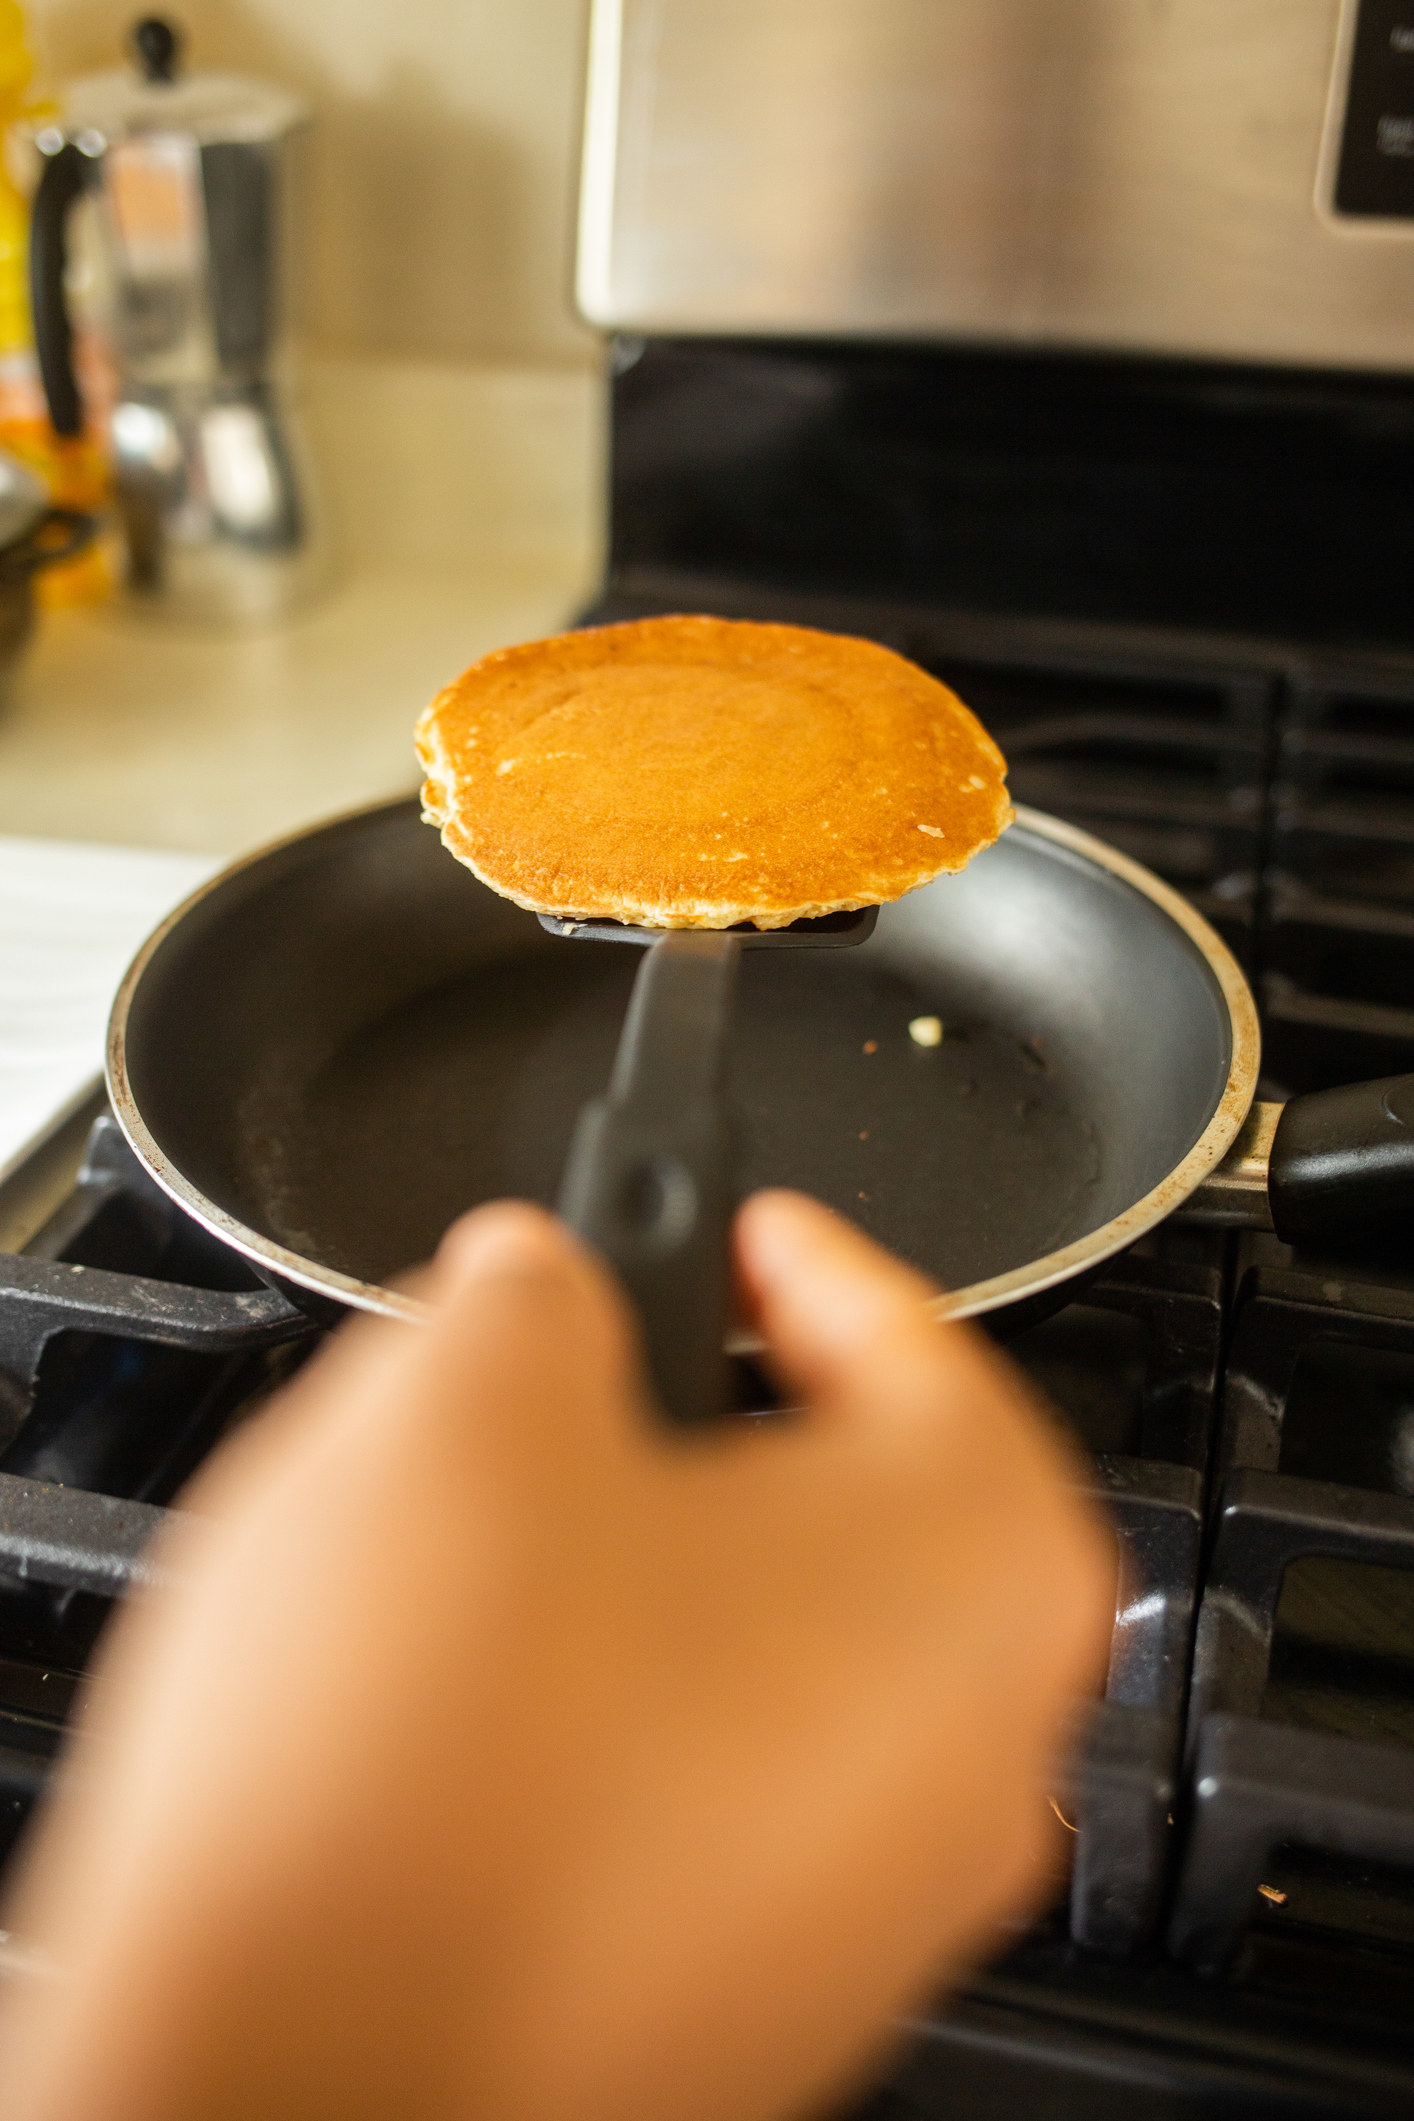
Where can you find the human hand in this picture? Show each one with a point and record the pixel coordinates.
(502, 1753)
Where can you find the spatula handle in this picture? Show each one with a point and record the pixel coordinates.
(647, 1181)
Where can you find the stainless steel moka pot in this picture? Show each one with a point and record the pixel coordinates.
(190, 179)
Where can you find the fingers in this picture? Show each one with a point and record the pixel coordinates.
(846, 1322)
(504, 1237)
(528, 1329)
(851, 1330)
(512, 1253)
(523, 1328)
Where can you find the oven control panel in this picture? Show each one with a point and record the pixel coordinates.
(1374, 171)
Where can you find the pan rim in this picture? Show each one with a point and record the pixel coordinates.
(971, 1301)
(1212, 1145)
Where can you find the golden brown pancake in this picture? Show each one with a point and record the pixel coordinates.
(695, 772)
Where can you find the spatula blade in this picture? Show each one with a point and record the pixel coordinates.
(828, 931)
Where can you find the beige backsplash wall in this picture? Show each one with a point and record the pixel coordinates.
(460, 466)
(442, 162)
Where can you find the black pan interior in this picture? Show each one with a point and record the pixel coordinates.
(351, 1040)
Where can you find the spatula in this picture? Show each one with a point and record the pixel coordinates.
(648, 1178)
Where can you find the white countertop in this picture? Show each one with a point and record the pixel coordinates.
(71, 919)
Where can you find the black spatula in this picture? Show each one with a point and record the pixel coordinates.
(648, 1177)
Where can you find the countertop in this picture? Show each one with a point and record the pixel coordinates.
(71, 917)
(466, 509)
(125, 733)
(464, 506)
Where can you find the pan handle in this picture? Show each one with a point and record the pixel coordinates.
(646, 1181)
(1332, 1168)
(1342, 1165)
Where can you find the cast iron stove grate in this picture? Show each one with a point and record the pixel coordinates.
(103, 1427)
(1338, 950)
(129, 1343)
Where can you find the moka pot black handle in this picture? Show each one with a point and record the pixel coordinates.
(64, 178)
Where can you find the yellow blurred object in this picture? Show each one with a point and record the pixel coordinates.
(74, 471)
(16, 66)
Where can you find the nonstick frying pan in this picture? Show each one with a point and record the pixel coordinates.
(342, 1042)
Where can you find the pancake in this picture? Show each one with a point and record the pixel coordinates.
(695, 772)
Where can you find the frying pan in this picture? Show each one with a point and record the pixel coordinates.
(345, 1040)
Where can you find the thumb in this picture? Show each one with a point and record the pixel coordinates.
(848, 1325)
